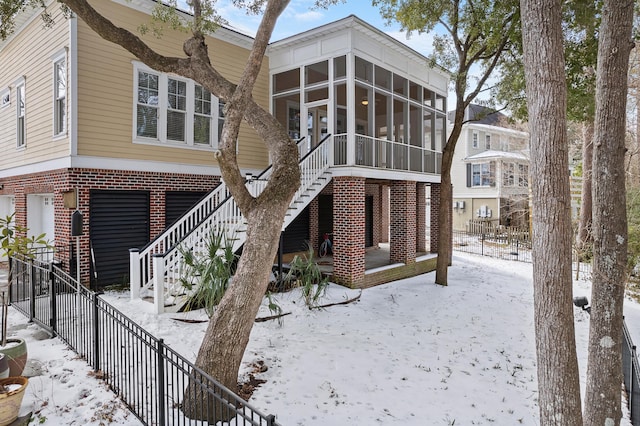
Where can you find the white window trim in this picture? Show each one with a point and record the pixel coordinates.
(60, 57)
(474, 139)
(163, 101)
(21, 82)
(5, 97)
(487, 141)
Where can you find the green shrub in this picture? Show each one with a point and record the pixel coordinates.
(208, 276)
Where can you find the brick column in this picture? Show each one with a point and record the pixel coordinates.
(435, 207)
(313, 224)
(384, 213)
(348, 230)
(403, 222)
(421, 218)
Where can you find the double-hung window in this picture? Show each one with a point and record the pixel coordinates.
(474, 142)
(147, 105)
(60, 97)
(20, 115)
(483, 174)
(487, 141)
(175, 111)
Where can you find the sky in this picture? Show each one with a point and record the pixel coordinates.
(300, 16)
(408, 352)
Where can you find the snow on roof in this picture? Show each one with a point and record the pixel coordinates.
(504, 155)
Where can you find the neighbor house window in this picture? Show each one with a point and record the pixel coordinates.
(20, 114)
(175, 111)
(60, 97)
(523, 175)
(509, 174)
(487, 141)
(483, 174)
(474, 142)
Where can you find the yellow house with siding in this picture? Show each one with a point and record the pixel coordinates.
(85, 126)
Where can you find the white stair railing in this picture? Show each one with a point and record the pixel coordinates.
(160, 267)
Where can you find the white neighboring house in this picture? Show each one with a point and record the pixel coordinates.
(490, 171)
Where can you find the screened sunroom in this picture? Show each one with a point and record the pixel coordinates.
(381, 103)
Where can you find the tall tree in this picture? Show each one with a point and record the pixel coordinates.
(558, 380)
(604, 375)
(580, 24)
(228, 331)
(476, 35)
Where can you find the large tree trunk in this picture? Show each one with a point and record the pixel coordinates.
(604, 373)
(584, 227)
(558, 379)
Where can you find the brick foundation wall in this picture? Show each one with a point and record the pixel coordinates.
(403, 222)
(348, 230)
(58, 182)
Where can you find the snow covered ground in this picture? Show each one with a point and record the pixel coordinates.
(407, 353)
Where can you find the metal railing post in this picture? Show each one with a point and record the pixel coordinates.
(53, 321)
(96, 333)
(631, 389)
(160, 383)
(32, 289)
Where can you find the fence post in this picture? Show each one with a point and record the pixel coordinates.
(53, 321)
(32, 286)
(160, 382)
(134, 273)
(631, 390)
(96, 333)
(271, 420)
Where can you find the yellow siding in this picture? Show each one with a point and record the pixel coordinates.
(105, 94)
(30, 55)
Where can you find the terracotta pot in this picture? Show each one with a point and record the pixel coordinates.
(4, 366)
(16, 354)
(10, 401)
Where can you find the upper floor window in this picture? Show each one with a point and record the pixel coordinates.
(5, 98)
(474, 140)
(174, 110)
(483, 174)
(487, 141)
(59, 97)
(20, 115)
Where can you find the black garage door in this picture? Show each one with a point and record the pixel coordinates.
(179, 202)
(118, 221)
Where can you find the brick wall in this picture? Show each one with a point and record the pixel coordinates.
(348, 230)
(384, 213)
(83, 180)
(373, 190)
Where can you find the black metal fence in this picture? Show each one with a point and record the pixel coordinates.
(157, 384)
(631, 369)
(505, 243)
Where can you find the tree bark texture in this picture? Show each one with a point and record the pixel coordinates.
(558, 379)
(228, 332)
(604, 372)
(585, 224)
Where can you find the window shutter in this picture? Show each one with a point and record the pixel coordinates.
(469, 175)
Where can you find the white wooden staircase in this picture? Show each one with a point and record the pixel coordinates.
(155, 269)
